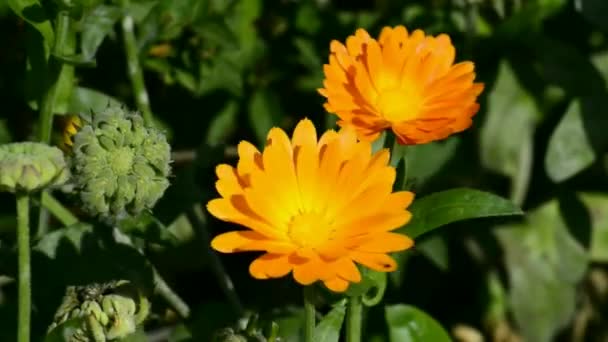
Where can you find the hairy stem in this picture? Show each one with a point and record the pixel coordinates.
(25, 290)
(309, 314)
(161, 285)
(134, 67)
(353, 319)
(49, 202)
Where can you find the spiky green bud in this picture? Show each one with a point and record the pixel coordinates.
(30, 166)
(119, 165)
(107, 312)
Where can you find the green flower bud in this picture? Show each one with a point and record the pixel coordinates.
(108, 312)
(29, 166)
(120, 166)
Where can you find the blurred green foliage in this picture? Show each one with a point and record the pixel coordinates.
(221, 71)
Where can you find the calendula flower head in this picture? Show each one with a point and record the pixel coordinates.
(29, 166)
(120, 166)
(404, 82)
(108, 311)
(315, 207)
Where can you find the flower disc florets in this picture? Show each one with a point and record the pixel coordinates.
(29, 166)
(120, 166)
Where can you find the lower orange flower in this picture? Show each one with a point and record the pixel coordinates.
(315, 207)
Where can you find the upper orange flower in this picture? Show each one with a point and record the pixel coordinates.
(406, 82)
(315, 207)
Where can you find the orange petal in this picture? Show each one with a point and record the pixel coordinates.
(336, 284)
(386, 242)
(270, 266)
(375, 261)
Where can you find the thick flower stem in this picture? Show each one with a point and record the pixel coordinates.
(309, 314)
(23, 244)
(134, 67)
(353, 319)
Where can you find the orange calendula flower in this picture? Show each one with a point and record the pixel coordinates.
(406, 82)
(315, 207)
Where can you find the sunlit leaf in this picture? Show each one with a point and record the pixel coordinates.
(569, 150)
(545, 265)
(407, 323)
(438, 209)
(328, 329)
(33, 12)
(510, 109)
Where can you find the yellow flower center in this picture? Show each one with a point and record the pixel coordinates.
(400, 103)
(308, 230)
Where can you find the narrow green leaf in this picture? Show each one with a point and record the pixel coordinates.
(264, 113)
(96, 25)
(510, 109)
(328, 330)
(597, 206)
(407, 323)
(439, 209)
(569, 150)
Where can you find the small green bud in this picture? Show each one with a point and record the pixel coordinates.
(120, 166)
(29, 166)
(108, 311)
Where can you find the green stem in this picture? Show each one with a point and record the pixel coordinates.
(47, 104)
(161, 285)
(134, 68)
(23, 244)
(197, 219)
(353, 319)
(309, 314)
(49, 202)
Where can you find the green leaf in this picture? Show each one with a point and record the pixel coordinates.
(545, 265)
(223, 124)
(64, 331)
(328, 330)
(96, 25)
(595, 11)
(441, 208)
(264, 113)
(85, 100)
(424, 161)
(33, 12)
(510, 109)
(407, 323)
(569, 151)
(436, 249)
(597, 206)
(215, 30)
